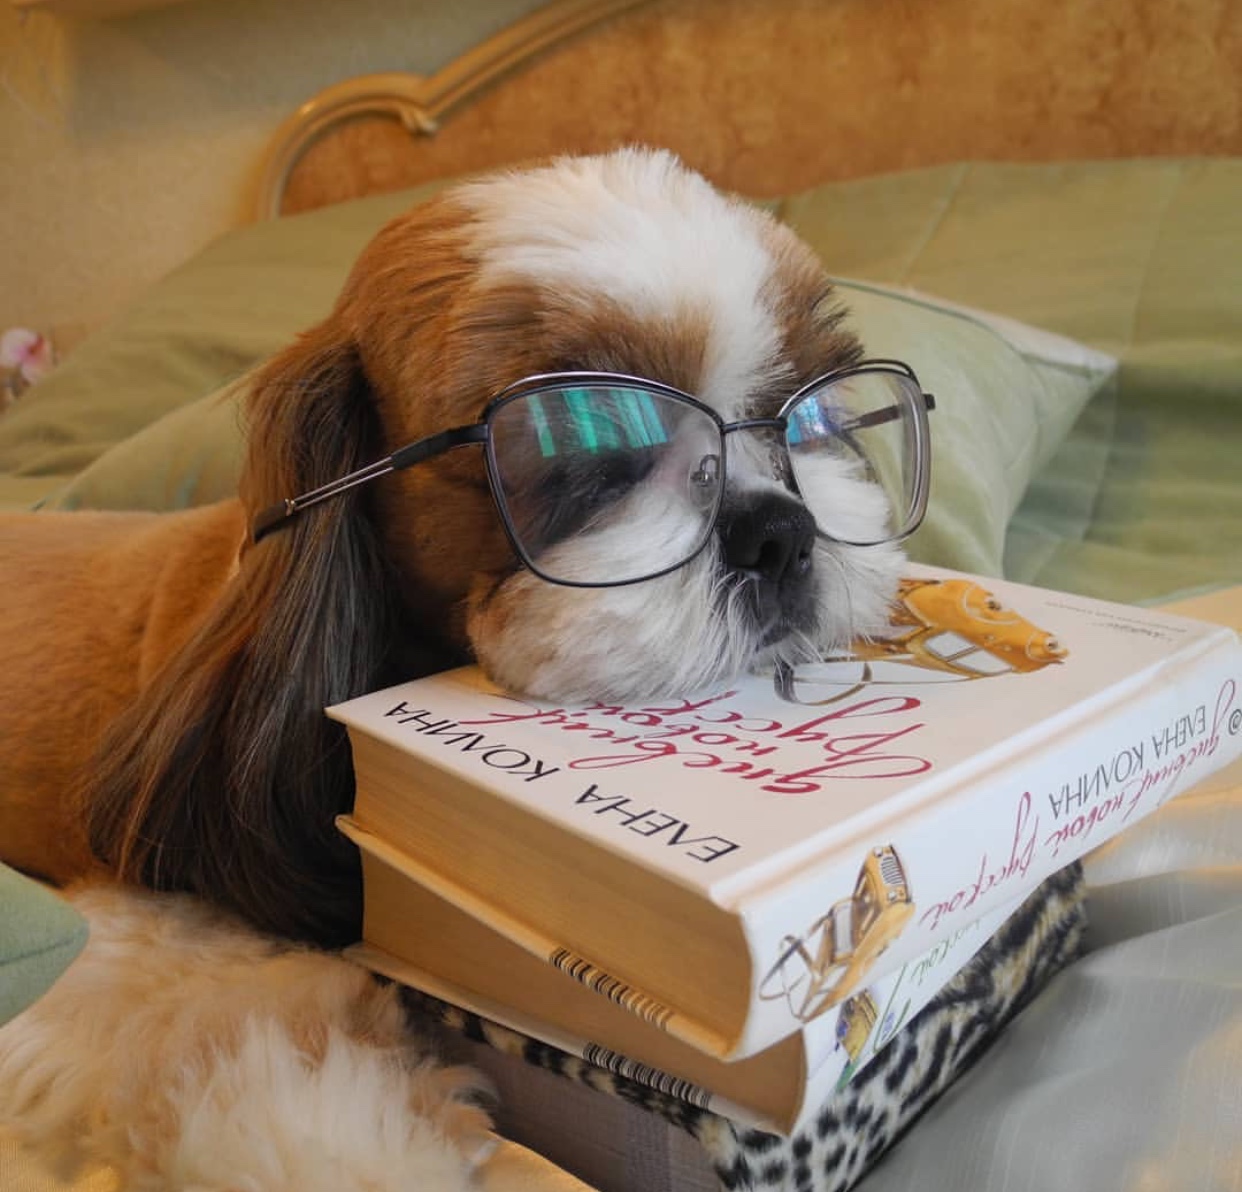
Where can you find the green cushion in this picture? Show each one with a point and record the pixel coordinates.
(191, 456)
(40, 934)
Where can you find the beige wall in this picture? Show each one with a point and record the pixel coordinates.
(127, 144)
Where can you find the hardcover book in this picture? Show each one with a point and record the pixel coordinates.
(733, 865)
(428, 942)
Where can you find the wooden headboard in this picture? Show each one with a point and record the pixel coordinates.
(771, 96)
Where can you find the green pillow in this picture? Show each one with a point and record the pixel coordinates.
(40, 933)
(203, 325)
(1006, 393)
(191, 456)
(1006, 396)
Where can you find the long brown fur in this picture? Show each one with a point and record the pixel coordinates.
(223, 778)
(184, 744)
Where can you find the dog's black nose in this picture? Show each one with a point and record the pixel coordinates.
(771, 537)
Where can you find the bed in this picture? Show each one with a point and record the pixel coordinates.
(1042, 212)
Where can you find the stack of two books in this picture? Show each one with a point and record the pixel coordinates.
(743, 895)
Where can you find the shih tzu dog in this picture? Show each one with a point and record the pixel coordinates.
(593, 424)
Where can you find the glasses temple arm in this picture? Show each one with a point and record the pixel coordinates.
(879, 417)
(276, 516)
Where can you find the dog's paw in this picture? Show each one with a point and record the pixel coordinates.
(454, 1099)
(361, 1117)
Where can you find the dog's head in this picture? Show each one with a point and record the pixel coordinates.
(225, 777)
(630, 264)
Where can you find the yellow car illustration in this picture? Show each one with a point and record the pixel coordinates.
(957, 625)
(821, 968)
(855, 1022)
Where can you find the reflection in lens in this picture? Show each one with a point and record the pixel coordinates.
(605, 483)
(852, 446)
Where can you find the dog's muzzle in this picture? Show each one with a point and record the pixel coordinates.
(768, 545)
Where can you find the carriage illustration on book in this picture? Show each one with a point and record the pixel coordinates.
(953, 628)
(822, 967)
(957, 625)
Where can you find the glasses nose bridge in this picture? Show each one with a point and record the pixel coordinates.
(776, 425)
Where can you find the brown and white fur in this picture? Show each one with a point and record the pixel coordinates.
(164, 679)
(161, 699)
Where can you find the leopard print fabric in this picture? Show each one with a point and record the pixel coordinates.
(856, 1125)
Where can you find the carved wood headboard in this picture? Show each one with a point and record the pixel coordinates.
(771, 96)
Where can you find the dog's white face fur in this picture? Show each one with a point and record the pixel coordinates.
(631, 263)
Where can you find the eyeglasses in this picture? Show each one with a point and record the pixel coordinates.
(640, 467)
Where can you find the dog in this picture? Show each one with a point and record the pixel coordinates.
(507, 443)
(162, 713)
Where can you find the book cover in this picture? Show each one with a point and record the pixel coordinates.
(739, 862)
(416, 933)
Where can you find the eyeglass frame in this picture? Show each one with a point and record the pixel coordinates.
(275, 517)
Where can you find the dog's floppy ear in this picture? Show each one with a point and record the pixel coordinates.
(225, 777)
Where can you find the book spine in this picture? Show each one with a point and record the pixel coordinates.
(387, 964)
(920, 876)
(836, 1048)
(552, 953)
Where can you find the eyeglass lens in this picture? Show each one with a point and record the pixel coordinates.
(637, 470)
(853, 446)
